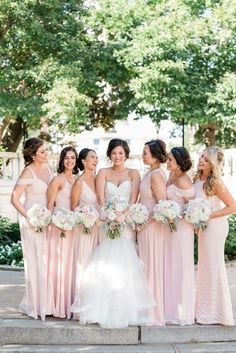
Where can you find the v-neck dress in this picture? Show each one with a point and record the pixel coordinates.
(84, 243)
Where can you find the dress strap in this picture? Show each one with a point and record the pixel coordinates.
(24, 181)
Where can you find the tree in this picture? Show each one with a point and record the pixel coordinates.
(37, 40)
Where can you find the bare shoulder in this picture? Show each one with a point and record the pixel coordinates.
(157, 176)
(58, 180)
(133, 172)
(219, 186)
(103, 171)
(184, 182)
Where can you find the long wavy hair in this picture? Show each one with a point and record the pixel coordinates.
(215, 155)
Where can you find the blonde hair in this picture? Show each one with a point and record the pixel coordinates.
(215, 155)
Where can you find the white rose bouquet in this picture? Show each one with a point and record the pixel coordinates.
(197, 212)
(38, 217)
(137, 215)
(87, 216)
(167, 212)
(63, 219)
(113, 214)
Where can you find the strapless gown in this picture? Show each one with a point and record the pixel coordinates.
(113, 288)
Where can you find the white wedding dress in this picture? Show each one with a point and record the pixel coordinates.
(113, 291)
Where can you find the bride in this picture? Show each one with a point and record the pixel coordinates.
(113, 290)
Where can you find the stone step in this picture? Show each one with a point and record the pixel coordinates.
(228, 347)
(61, 332)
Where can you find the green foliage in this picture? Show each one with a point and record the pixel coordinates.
(230, 244)
(9, 231)
(11, 254)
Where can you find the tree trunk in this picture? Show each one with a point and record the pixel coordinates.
(3, 125)
(12, 138)
(209, 134)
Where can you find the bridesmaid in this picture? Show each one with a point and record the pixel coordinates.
(213, 301)
(151, 236)
(33, 182)
(179, 246)
(61, 249)
(83, 193)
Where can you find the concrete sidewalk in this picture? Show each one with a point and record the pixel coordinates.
(12, 290)
(20, 334)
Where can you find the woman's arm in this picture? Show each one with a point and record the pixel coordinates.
(75, 194)
(18, 190)
(100, 186)
(226, 197)
(135, 182)
(55, 185)
(158, 186)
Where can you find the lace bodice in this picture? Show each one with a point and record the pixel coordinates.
(122, 191)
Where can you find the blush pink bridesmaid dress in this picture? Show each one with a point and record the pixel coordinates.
(61, 262)
(84, 244)
(213, 301)
(35, 251)
(151, 250)
(179, 285)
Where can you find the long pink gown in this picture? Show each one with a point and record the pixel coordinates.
(61, 262)
(85, 244)
(151, 250)
(179, 285)
(213, 301)
(35, 251)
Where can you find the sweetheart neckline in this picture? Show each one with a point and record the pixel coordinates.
(117, 186)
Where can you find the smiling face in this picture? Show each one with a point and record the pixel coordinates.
(172, 165)
(204, 163)
(69, 160)
(91, 161)
(118, 156)
(41, 155)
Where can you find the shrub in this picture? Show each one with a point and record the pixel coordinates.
(11, 254)
(9, 231)
(230, 244)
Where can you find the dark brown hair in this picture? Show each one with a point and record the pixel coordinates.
(158, 150)
(115, 143)
(82, 155)
(182, 157)
(30, 148)
(63, 153)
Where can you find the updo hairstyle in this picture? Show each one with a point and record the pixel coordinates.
(115, 143)
(30, 148)
(182, 157)
(83, 155)
(158, 150)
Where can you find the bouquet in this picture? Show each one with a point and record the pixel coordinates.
(38, 217)
(63, 219)
(87, 216)
(137, 215)
(167, 212)
(197, 212)
(113, 214)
